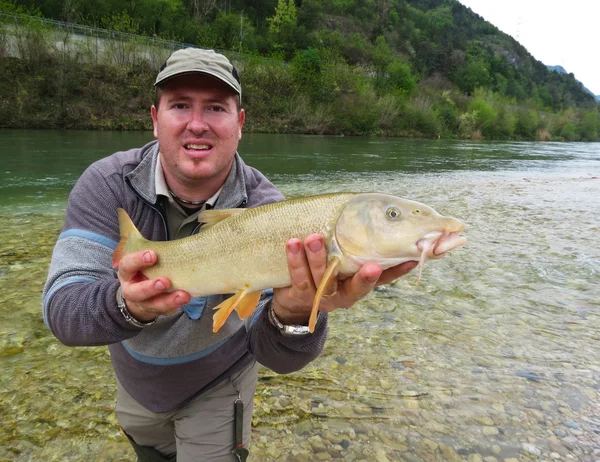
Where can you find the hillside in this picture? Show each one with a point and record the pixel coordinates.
(392, 67)
(562, 70)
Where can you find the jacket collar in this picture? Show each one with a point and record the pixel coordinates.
(142, 180)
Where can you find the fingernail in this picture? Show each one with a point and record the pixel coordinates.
(159, 285)
(294, 247)
(147, 257)
(316, 246)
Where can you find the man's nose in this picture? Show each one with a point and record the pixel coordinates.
(197, 122)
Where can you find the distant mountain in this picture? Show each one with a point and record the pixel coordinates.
(562, 70)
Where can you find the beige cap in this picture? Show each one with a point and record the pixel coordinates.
(191, 60)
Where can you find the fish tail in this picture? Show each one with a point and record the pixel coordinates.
(129, 233)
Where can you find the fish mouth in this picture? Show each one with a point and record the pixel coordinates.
(435, 245)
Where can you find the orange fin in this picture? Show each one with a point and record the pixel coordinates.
(225, 308)
(212, 217)
(328, 277)
(248, 304)
(128, 232)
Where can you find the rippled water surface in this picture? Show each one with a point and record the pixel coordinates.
(493, 355)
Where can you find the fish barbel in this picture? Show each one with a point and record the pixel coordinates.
(242, 251)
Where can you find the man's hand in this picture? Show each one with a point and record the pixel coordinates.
(307, 263)
(147, 298)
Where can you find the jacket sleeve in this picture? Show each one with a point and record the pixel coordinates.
(79, 295)
(280, 353)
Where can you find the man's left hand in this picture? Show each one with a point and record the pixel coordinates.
(307, 262)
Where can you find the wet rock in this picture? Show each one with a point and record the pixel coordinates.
(571, 424)
(570, 442)
(529, 375)
(560, 432)
(490, 431)
(323, 456)
(532, 450)
(332, 437)
(428, 444)
(485, 420)
(304, 427)
(317, 444)
(385, 384)
(449, 454)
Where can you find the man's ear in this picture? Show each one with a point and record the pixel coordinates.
(153, 112)
(242, 118)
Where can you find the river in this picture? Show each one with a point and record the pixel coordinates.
(493, 355)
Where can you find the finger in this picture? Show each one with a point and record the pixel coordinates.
(144, 290)
(132, 263)
(298, 267)
(316, 254)
(164, 303)
(393, 273)
(358, 286)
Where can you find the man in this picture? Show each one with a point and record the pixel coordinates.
(178, 383)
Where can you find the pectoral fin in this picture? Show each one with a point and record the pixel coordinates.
(328, 277)
(242, 301)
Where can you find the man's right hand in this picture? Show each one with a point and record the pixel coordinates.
(147, 298)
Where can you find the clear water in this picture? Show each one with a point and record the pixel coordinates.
(494, 354)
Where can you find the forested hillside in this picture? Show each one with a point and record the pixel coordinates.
(390, 67)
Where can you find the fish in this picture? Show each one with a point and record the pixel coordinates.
(242, 251)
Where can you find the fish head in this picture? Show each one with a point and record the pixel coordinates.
(391, 230)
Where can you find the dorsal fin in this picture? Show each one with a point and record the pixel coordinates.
(212, 217)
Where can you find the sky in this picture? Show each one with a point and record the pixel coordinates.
(555, 32)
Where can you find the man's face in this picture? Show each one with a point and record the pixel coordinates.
(198, 126)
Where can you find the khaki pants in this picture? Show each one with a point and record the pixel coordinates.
(201, 430)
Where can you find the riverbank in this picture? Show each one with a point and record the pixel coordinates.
(64, 91)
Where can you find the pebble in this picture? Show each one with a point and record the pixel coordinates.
(571, 424)
(475, 458)
(490, 431)
(560, 432)
(531, 449)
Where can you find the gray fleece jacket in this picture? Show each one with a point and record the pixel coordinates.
(179, 356)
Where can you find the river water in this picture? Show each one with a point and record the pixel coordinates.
(493, 355)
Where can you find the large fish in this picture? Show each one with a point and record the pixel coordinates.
(242, 251)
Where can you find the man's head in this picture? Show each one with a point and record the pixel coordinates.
(197, 60)
(197, 120)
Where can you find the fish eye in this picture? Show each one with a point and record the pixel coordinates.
(392, 212)
(416, 211)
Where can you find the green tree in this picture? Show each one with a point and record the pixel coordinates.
(474, 75)
(590, 126)
(283, 25)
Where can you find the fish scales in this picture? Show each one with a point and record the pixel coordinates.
(246, 250)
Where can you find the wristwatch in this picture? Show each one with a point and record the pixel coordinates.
(288, 330)
(126, 314)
